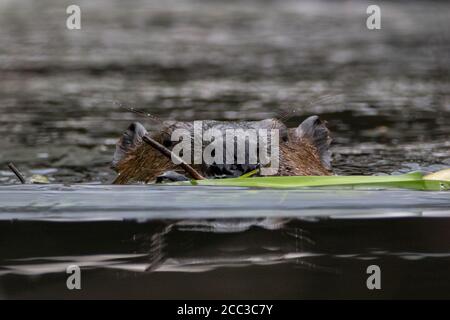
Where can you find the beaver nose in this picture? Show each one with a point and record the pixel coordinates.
(228, 170)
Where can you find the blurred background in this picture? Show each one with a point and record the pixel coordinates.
(384, 93)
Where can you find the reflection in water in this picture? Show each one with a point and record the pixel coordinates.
(207, 242)
(179, 246)
(132, 256)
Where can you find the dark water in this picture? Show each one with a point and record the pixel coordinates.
(206, 242)
(290, 258)
(385, 95)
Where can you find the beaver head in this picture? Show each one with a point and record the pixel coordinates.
(300, 151)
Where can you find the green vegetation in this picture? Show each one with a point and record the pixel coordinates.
(414, 181)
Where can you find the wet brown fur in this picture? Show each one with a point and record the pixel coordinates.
(135, 166)
(298, 157)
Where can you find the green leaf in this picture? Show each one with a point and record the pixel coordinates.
(414, 181)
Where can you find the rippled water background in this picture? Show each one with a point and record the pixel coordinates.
(385, 95)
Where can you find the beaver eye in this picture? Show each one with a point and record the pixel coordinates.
(167, 143)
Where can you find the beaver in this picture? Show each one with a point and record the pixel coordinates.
(304, 150)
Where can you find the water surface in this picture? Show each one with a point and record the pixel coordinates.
(385, 95)
(208, 242)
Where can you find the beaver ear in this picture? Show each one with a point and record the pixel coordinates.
(129, 140)
(316, 131)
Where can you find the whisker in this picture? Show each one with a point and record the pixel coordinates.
(292, 111)
(137, 111)
(165, 129)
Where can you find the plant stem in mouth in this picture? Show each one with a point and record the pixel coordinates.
(16, 172)
(169, 154)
